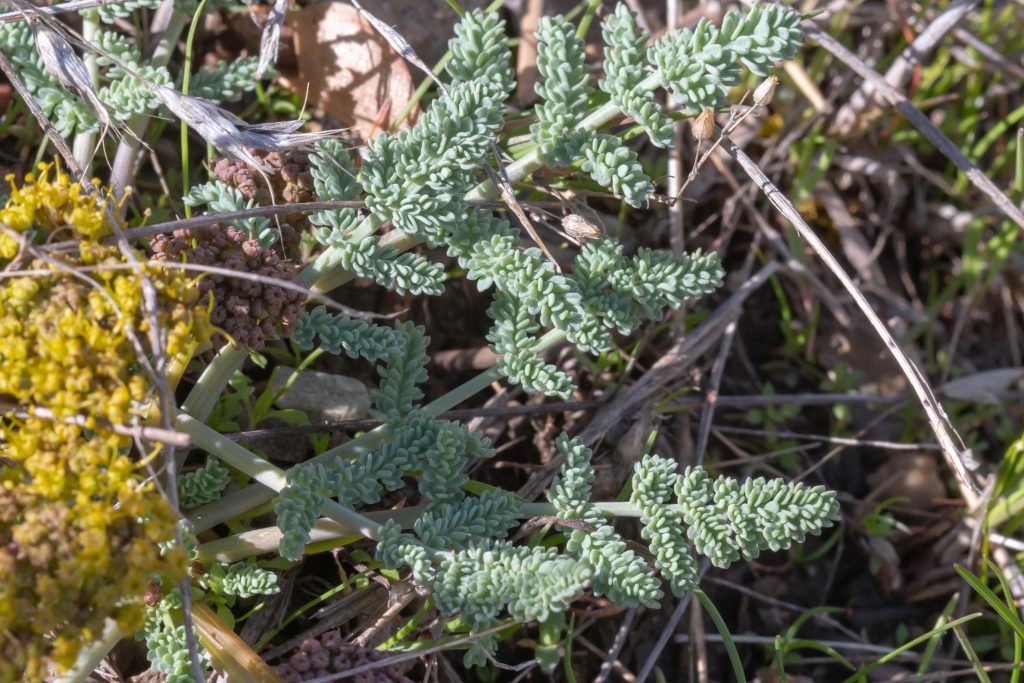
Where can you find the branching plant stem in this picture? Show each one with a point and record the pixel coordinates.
(324, 277)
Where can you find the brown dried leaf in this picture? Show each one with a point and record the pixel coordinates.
(914, 476)
(351, 71)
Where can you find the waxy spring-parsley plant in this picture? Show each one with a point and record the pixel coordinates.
(426, 183)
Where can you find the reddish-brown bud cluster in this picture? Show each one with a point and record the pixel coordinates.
(329, 654)
(249, 312)
(288, 173)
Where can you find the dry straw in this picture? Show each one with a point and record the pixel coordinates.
(270, 41)
(64, 64)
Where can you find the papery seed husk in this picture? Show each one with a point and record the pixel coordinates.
(63, 63)
(703, 127)
(231, 136)
(579, 228)
(399, 44)
(765, 92)
(270, 41)
(211, 122)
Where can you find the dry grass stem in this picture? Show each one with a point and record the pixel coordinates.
(956, 454)
(270, 40)
(918, 120)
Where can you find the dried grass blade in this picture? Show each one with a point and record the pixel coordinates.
(64, 64)
(270, 41)
(282, 141)
(501, 180)
(957, 455)
(44, 122)
(918, 120)
(73, 6)
(211, 122)
(400, 44)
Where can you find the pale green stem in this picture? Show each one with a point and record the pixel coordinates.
(323, 274)
(252, 496)
(85, 142)
(262, 471)
(588, 17)
(200, 401)
(91, 656)
(186, 79)
(266, 540)
(123, 170)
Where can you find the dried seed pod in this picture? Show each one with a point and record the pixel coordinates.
(330, 654)
(153, 594)
(288, 174)
(765, 92)
(271, 38)
(703, 127)
(579, 229)
(248, 312)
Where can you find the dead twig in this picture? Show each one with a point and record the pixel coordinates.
(918, 120)
(53, 10)
(956, 453)
(859, 103)
(44, 122)
(165, 436)
(612, 655)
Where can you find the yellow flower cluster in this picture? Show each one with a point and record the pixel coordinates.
(50, 205)
(80, 522)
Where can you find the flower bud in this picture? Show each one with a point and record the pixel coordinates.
(764, 93)
(703, 127)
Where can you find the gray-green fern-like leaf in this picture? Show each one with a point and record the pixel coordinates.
(458, 526)
(565, 89)
(653, 482)
(624, 68)
(530, 583)
(698, 65)
(227, 81)
(297, 511)
(245, 579)
(398, 392)
(618, 572)
(337, 333)
(614, 165)
(727, 520)
(203, 485)
(480, 51)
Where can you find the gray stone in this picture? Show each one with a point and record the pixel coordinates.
(322, 396)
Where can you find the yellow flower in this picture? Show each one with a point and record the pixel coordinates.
(79, 523)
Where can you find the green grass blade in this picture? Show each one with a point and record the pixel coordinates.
(800, 620)
(933, 644)
(723, 630)
(968, 649)
(820, 647)
(780, 659)
(1018, 641)
(570, 677)
(862, 674)
(1008, 615)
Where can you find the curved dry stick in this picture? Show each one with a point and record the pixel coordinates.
(901, 69)
(918, 120)
(957, 456)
